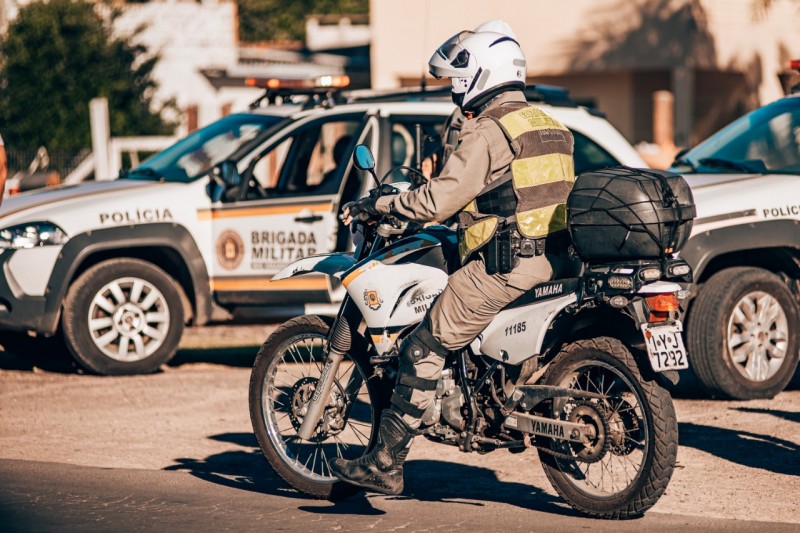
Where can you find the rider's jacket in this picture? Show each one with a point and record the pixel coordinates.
(533, 192)
(508, 139)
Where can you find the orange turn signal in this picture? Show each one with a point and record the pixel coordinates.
(663, 303)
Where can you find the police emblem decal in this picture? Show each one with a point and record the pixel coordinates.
(230, 249)
(372, 300)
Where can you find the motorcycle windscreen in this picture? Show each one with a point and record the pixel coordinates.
(333, 264)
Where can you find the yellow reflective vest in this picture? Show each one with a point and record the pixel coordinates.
(542, 174)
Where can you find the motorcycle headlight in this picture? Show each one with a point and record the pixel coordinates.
(31, 235)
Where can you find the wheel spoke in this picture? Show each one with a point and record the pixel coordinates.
(742, 353)
(773, 311)
(138, 345)
(154, 333)
(748, 308)
(762, 307)
(123, 348)
(101, 323)
(150, 299)
(136, 291)
(116, 291)
(104, 303)
(737, 339)
(107, 338)
(159, 318)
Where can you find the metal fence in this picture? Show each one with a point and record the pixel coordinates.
(29, 161)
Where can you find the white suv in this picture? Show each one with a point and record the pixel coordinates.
(120, 267)
(743, 326)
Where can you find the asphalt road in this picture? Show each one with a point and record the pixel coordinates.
(38, 496)
(174, 451)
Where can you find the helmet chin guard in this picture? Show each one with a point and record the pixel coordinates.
(480, 65)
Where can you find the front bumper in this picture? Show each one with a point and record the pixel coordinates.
(20, 311)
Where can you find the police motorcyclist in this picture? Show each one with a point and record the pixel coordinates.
(512, 226)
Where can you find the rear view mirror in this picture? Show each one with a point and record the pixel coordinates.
(362, 158)
(229, 173)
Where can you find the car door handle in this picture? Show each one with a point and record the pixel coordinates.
(306, 216)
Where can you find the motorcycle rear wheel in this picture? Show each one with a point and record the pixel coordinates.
(283, 379)
(626, 468)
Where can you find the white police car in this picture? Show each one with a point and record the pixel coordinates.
(743, 326)
(120, 267)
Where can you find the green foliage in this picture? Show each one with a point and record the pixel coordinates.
(56, 57)
(268, 20)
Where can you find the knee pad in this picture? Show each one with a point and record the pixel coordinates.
(419, 344)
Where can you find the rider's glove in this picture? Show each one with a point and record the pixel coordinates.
(362, 209)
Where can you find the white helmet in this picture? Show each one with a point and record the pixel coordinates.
(497, 26)
(480, 65)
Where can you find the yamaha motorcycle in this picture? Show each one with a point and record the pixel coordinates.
(573, 369)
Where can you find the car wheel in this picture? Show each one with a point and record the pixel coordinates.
(742, 334)
(123, 316)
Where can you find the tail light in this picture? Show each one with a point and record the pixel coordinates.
(661, 305)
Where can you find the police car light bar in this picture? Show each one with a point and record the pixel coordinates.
(321, 82)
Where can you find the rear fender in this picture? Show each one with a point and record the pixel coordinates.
(333, 264)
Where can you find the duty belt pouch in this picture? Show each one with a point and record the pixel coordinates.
(499, 256)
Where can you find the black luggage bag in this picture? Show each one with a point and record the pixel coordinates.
(624, 213)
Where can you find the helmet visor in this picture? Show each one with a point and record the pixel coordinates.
(451, 59)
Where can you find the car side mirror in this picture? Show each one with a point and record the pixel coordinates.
(362, 158)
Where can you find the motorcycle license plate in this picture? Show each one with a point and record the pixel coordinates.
(665, 346)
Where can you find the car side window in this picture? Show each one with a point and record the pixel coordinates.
(311, 161)
(589, 155)
(403, 142)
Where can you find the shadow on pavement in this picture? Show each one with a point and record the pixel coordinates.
(743, 447)
(59, 363)
(791, 416)
(426, 480)
(237, 356)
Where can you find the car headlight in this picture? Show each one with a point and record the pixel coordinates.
(31, 235)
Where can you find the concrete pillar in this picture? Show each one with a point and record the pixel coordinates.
(101, 138)
(663, 119)
(683, 89)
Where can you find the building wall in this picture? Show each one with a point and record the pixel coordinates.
(189, 36)
(624, 48)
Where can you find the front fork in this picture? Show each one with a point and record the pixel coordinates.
(339, 343)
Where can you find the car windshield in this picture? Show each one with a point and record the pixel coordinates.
(191, 157)
(764, 141)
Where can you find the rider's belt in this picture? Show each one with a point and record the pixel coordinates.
(525, 247)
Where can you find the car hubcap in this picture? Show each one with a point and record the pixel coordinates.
(758, 336)
(128, 319)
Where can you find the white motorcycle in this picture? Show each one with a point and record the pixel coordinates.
(574, 369)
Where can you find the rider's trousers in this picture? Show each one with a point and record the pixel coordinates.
(467, 305)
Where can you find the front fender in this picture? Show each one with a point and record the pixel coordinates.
(333, 264)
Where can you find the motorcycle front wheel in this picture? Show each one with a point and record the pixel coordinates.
(284, 377)
(624, 466)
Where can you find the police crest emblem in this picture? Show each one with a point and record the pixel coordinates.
(372, 300)
(230, 250)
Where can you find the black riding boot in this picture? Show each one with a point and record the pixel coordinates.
(381, 469)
